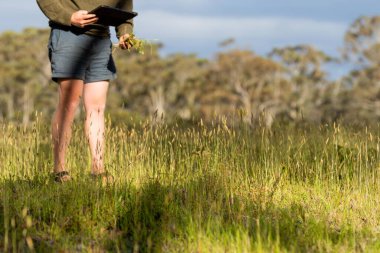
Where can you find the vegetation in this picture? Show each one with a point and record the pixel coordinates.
(244, 153)
(195, 189)
(289, 84)
(136, 44)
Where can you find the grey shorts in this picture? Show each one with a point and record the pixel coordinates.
(80, 56)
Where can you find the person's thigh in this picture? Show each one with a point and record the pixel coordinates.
(95, 95)
(69, 54)
(70, 92)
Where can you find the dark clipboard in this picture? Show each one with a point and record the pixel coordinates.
(110, 16)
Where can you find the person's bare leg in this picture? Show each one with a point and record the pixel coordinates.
(70, 92)
(94, 98)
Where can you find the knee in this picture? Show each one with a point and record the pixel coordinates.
(72, 106)
(68, 107)
(94, 109)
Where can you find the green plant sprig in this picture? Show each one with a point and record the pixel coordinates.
(136, 44)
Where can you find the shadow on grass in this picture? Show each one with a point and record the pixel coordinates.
(81, 215)
(158, 212)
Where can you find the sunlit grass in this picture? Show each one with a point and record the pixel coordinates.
(195, 189)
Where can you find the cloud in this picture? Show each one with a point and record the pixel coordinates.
(19, 5)
(172, 5)
(260, 33)
(182, 30)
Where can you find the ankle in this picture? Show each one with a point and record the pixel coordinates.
(59, 167)
(97, 171)
(97, 168)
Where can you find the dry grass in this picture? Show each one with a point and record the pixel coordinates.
(195, 189)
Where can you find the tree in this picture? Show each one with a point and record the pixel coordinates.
(150, 84)
(238, 80)
(24, 71)
(307, 79)
(362, 41)
(362, 46)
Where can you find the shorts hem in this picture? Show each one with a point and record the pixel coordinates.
(110, 77)
(57, 76)
(105, 78)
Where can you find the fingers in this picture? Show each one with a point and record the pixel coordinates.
(124, 42)
(82, 12)
(82, 18)
(85, 16)
(90, 21)
(125, 45)
(88, 16)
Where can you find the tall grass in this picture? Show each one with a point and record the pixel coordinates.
(194, 189)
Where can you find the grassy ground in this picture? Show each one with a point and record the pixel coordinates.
(196, 189)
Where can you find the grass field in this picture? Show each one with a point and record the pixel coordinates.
(195, 189)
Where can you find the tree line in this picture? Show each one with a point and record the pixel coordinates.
(288, 84)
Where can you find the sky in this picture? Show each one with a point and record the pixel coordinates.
(198, 26)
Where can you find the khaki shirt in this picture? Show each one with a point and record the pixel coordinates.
(60, 11)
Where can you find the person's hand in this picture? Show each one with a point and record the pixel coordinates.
(124, 42)
(82, 18)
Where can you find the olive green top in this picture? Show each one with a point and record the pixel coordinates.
(60, 11)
